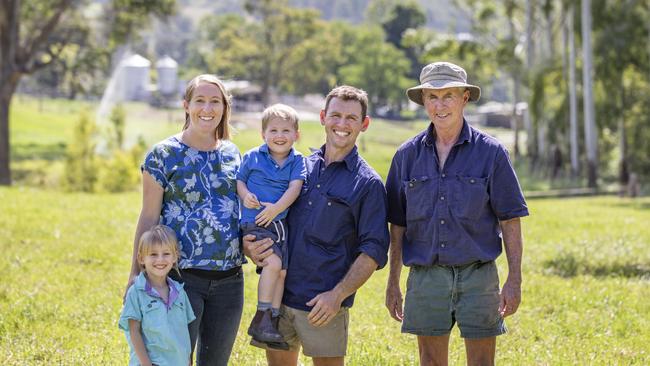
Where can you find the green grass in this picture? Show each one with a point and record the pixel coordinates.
(66, 257)
(585, 294)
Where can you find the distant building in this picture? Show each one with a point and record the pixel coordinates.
(167, 83)
(134, 83)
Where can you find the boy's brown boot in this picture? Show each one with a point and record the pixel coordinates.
(263, 329)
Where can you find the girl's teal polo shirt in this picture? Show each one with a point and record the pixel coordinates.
(165, 332)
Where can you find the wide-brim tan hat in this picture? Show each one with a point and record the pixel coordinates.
(441, 75)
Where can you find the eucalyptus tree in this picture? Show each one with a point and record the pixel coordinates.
(36, 33)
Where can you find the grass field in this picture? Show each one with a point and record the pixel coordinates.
(66, 257)
(585, 297)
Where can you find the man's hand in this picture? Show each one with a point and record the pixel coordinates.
(394, 301)
(325, 307)
(257, 251)
(267, 215)
(510, 297)
(250, 201)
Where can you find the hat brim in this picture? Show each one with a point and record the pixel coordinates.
(415, 93)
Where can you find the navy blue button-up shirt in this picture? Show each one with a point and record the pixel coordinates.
(340, 213)
(452, 215)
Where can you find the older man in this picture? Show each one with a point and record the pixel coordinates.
(337, 238)
(453, 198)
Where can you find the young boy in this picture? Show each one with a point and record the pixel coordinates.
(268, 182)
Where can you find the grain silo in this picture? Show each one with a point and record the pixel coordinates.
(135, 77)
(167, 70)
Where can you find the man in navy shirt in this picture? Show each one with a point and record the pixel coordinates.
(453, 197)
(338, 237)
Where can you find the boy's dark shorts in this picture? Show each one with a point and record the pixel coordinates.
(277, 231)
(439, 296)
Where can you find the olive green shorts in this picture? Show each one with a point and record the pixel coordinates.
(437, 297)
(327, 341)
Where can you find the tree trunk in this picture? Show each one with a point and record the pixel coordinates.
(531, 146)
(624, 170)
(589, 109)
(9, 77)
(5, 170)
(573, 99)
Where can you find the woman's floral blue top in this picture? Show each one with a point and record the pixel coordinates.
(200, 201)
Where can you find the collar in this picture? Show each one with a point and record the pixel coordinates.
(429, 137)
(141, 283)
(350, 160)
(264, 148)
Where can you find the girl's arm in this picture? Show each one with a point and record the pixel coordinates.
(152, 195)
(138, 342)
(271, 210)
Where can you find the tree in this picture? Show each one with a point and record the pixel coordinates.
(591, 134)
(404, 17)
(377, 67)
(34, 34)
(573, 99)
(280, 32)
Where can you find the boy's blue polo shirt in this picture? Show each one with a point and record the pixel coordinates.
(165, 332)
(452, 215)
(341, 213)
(267, 179)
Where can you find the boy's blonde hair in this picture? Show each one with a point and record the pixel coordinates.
(281, 111)
(158, 235)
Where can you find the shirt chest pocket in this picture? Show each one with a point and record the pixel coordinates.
(331, 220)
(153, 314)
(470, 196)
(420, 192)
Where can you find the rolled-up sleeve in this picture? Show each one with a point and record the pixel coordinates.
(506, 198)
(372, 229)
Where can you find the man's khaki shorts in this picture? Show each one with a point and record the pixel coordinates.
(327, 341)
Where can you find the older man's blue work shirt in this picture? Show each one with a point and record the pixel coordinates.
(452, 214)
(341, 213)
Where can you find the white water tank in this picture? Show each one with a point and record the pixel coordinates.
(135, 77)
(167, 70)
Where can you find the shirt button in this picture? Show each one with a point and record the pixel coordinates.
(277, 166)
(309, 203)
(318, 186)
(329, 203)
(442, 198)
(442, 245)
(472, 181)
(442, 222)
(444, 175)
(411, 185)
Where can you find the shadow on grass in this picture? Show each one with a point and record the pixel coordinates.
(32, 151)
(568, 265)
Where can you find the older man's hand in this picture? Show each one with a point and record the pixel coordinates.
(258, 250)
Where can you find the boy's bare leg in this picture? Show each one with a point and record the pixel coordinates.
(269, 278)
(279, 289)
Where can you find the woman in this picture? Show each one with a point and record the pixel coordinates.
(189, 184)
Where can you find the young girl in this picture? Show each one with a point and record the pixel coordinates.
(156, 310)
